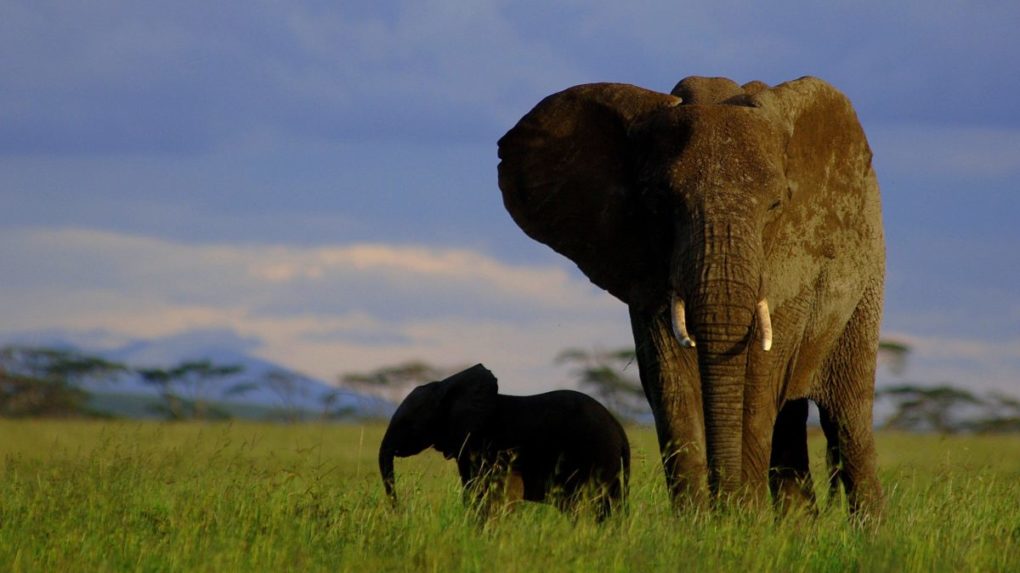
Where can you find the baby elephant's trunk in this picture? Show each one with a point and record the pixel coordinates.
(386, 469)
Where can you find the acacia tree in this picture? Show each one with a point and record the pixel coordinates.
(893, 354)
(940, 409)
(944, 408)
(184, 388)
(947, 410)
(289, 387)
(604, 374)
(330, 410)
(38, 381)
(392, 383)
(1002, 415)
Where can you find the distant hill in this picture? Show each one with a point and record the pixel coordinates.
(243, 395)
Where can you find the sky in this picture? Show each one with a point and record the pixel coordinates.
(314, 183)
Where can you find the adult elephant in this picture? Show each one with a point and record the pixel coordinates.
(742, 227)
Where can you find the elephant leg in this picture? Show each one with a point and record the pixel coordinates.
(832, 461)
(514, 490)
(789, 472)
(474, 494)
(848, 395)
(669, 376)
(759, 419)
(474, 478)
(488, 484)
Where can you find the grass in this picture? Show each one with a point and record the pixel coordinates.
(145, 496)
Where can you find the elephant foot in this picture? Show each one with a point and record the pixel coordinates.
(866, 503)
(789, 471)
(794, 497)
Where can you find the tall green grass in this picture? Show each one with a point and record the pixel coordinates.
(127, 496)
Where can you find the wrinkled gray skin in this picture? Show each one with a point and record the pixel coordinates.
(713, 204)
(561, 447)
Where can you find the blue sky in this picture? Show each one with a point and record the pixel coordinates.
(316, 181)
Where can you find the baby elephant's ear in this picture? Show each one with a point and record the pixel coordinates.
(468, 400)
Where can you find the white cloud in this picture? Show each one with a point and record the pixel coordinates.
(978, 364)
(322, 310)
(341, 308)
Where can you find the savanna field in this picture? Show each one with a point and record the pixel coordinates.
(144, 496)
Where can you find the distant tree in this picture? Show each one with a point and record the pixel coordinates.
(944, 408)
(924, 408)
(330, 410)
(60, 364)
(184, 388)
(604, 374)
(37, 381)
(289, 387)
(893, 354)
(241, 388)
(1002, 415)
(392, 383)
(24, 396)
(329, 400)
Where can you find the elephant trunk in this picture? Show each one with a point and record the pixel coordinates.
(723, 309)
(386, 454)
(722, 358)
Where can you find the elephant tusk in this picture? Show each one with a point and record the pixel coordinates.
(764, 324)
(680, 322)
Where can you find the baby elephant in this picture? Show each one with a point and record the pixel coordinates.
(560, 447)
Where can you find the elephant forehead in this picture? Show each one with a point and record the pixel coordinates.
(725, 145)
(418, 402)
(722, 127)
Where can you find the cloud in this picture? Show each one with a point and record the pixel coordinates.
(343, 308)
(451, 278)
(323, 310)
(112, 78)
(386, 337)
(271, 191)
(977, 364)
(274, 147)
(376, 276)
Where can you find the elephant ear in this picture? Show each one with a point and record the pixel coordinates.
(469, 398)
(825, 145)
(569, 180)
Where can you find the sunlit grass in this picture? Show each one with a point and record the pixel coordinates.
(95, 496)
